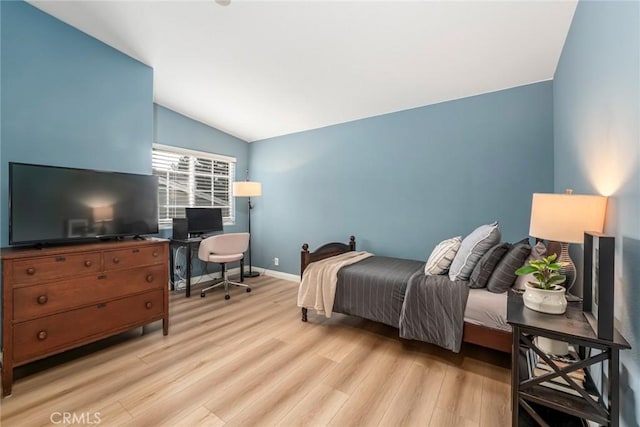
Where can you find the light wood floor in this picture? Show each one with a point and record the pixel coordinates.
(251, 361)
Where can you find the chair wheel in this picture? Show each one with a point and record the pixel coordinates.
(248, 289)
(227, 297)
(201, 294)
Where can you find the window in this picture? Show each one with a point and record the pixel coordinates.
(189, 178)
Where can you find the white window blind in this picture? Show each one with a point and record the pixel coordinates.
(189, 178)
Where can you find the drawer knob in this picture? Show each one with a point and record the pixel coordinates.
(42, 299)
(42, 335)
(155, 254)
(150, 278)
(88, 263)
(116, 260)
(31, 271)
(148, 305)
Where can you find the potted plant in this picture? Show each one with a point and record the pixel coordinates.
(545, 293)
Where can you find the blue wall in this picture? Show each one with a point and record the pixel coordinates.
(402, 182)
(597, 150)
(69, 100)
(171, 128)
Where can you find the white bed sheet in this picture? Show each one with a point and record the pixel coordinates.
(485, 308)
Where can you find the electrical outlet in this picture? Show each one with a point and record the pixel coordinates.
(276, 261)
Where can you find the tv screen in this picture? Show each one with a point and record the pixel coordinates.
(204, 220)
(53, 204)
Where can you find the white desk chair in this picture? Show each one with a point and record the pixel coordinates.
(223, 249)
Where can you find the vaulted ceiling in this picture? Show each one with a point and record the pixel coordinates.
(259, 69)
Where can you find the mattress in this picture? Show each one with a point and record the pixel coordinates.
(485, 308)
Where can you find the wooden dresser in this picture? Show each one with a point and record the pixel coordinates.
(57, 298)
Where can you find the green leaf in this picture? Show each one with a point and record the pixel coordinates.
(535, 285)
(527, 269)
(555, 266)
(538, 263)
(552, 258)
(556, 280)
(539, 276)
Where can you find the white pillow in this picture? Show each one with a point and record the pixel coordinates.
(537, 252)
(471, 250)
(442, 256)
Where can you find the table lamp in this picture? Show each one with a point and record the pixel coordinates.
(564, 218)
(248, 189)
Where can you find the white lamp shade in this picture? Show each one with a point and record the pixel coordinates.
(565, 217)
(247, 189)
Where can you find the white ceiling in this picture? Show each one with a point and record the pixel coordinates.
(258, 69)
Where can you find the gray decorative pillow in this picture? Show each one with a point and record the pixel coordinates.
(471, 250)
(442, 255)
(486, 265)
(504, 274)
(537, 252)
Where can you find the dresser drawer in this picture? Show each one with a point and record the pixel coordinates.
(55, 267)
(41, 300)
(133, 257)
(47, 335)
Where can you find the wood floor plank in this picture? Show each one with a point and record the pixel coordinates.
(496, 399)
(156, 384)
(338, 347)
(275, 401)
(200, 417)
(415, 401)
(443, 418)
(200, 383)
(75, 389)
(366, 408)
(251, 361)
(227, 401)
(461, 394)
(315, 409)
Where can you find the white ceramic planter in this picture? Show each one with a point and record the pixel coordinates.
(551, 302)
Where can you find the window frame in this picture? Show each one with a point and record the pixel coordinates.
(192, 195)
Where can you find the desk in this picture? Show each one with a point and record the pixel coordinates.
(573, 328)
(189, 244)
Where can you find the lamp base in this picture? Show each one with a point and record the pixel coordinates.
(568, 269)
(251, 274)
(572, 298)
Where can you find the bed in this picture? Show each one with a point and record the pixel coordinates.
(377, 287)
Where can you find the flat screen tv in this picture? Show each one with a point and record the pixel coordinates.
(203, 220)
(49, 204)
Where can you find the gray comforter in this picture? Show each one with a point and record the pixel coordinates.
(397, 293)
(433, 310)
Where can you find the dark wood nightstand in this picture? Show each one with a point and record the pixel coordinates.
(573, 328)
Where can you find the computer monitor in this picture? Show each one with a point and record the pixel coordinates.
(204, 220)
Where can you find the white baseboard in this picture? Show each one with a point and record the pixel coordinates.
(236, 271)
(281, 275)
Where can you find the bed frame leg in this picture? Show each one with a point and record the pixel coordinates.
(304, 314)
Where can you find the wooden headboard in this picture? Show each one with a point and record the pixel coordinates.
(324, 251)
